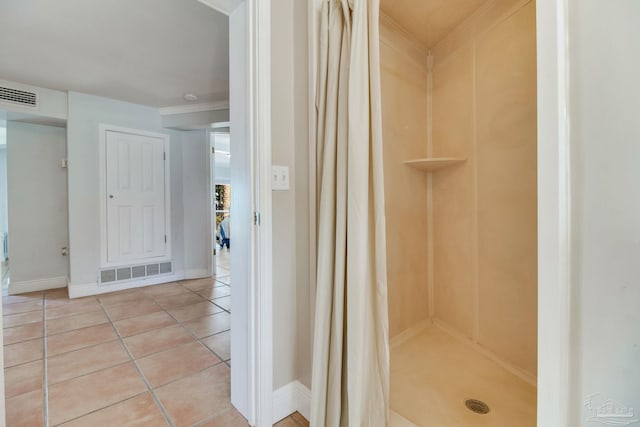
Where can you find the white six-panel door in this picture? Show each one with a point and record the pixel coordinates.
(135, 197)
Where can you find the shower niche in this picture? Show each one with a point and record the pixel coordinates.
(460, 172)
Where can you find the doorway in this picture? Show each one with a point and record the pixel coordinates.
(33, 207)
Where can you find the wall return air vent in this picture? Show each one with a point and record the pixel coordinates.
(18, 97)
(124, 274)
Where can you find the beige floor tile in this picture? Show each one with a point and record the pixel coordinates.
(287, 422)
(220, 344)
(198, 283)
(135, 412)
(130, 296)
(23, 333)
(230, 418)
(22, 307)
(26, 410)
(198, 397)
(82, 395)
(14, 299)
(58, 293)
(21, 319)
(62, 300)
(215, 292)
(173, 301)
(224, 302)
(208, 325)
(140, 324)
(72, 309)
(26, 351)
(194, 311)
(70, 323)
(178, 362)
(302, 421)
(157, 340)
(80, 338)
(84, 361)
(164, 289)
(138, 308)
(23, 378)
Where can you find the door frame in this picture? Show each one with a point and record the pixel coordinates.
(554, 214)
(257, 402)
(103, 129)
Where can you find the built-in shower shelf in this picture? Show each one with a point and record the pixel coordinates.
(432, 164)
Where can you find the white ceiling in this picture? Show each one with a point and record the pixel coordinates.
(429, 20)
(149, 52)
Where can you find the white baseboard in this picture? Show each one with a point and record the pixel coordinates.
(304, 400)
(37, 285)
(290, 398)
(83, 290)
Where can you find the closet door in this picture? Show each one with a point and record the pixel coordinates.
(135, 192)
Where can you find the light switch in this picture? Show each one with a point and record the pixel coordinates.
(279, 178)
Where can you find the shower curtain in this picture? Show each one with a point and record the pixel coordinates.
(350, 382)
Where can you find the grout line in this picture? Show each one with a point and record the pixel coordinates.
(135, 364)
(100, 409)
(200, 339)
(45, 377)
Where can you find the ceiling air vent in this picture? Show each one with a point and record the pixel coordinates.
(18, 97)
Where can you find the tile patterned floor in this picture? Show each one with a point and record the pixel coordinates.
(154, 356)
(150, 356)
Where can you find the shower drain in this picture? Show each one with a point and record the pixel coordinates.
(477, 406)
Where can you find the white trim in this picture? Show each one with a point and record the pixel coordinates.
(197, 273)
(304, 400)
(554, 220)
(261, 286)
(93, 288)
(211, 224)
(37, 285)
(223, 6)
(290, 398)
(194, 108)
(102, 130)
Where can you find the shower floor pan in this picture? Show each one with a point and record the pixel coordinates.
(432, 375)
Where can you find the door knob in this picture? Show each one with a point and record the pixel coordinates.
(111, 196)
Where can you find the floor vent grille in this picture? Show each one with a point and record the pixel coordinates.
(110, 276)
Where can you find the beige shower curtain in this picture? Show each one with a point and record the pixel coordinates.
(350, 384)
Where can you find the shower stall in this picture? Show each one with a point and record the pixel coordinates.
(460, 172)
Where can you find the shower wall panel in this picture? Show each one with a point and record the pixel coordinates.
(484, 211)
(404, 109)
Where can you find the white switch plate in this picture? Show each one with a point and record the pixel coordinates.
(279, 178)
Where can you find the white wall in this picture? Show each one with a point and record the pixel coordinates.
(605, 172)
(195, 203)
(86, 112)
(37, 198)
